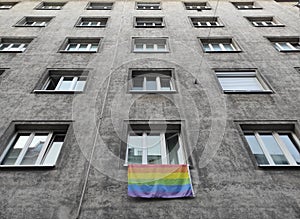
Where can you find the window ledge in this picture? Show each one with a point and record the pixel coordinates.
(26, 166)
(248, 92)
(11, 51)
(102, 26)
(64, 51)
(48, 9)
(237, 51)
(149, 26)
(209, 26)
(151, 51)
(20, 25)
(258, 8)
(278, 25)
(279, 166)
(152, 91)
(289, 51)
(56, 92)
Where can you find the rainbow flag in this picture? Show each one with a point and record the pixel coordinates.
(159, 181)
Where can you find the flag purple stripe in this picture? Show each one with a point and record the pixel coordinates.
(181, 194)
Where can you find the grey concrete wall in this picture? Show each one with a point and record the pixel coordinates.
(227, 182)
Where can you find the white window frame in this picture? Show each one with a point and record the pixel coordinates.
(158, 84)
(163, 147)
(9, 48)
(42, 153)
(43, 23)
(100, 6)
(55, 7)
(221, 45)
(90, 24)
(282, 49)
(281, 145)
(264, 24)
(207, 24)
(242, 74)
(72, 86)
(142, 22)
(148, 6)
(5, 6)
(197, 6)
(88, 48)
(155, 45)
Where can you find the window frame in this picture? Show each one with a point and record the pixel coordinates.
(148, 17)
(289, 41)
(263, 19)
(198, 6)
(11, 41)
(148, 3)
(92, 19)
(167, 49)
(153, 72)
(240, 73)
(7, 5)
(276, 136)
(89, 6)
(183, 157)
(245, 5)
(207, 19)
(80, 40)
(61, 73)
(44, 4)
(22, 22)
(221, 42)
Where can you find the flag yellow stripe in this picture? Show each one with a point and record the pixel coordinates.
(180, 175)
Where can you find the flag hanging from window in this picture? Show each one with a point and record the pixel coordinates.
(159, 181)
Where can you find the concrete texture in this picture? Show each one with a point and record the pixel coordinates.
(226, 179)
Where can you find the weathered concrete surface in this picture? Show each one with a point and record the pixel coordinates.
(225, 177)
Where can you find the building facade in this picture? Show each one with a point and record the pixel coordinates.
(90, 87)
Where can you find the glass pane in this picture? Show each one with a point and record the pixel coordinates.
(151, 83)
(83, 47)
(256, 150)
(94, 47)
(150, 47)
(228, 47)
(165, 83)
(137, 83)
(15, 47)
(4, 47)
(206, 47)
(153, 149)
(80, 84)
(274, 149)
(284, 46)
(34, 149)
(72, 47)
(240, 83)
(52, 83)
(291, 147)
(173, 148)
(14, 152)
(135, 148)
(66, 84)
(84, 23)
(139, 47)
(216, 47)
(161, 47)
(54, 150)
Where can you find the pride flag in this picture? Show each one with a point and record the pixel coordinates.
(159, 181)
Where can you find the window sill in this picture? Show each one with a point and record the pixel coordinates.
(26, 166)
(48, 9)
(259, 8)
(102, 26)
(279, 166)
(209, 26)
(198, 9)
(247, 92)
(289, 51)
(11, 51)
(149, 26)
(237, 51)
(56, 92)
(152, 92)
(100, 9)
(279, 25)
(20, 25)
(151, 51)
(63, 51)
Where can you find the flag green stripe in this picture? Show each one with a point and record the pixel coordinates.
(159, 181)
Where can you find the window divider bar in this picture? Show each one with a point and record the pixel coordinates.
(285, 151)
(44, 148)
(163, 146)
(264, 148)
(145, 149)
(59, 83)
(24, 149)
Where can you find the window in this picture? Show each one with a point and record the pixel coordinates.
(100, 6)
(81, 45)
(40, 147)
(206, 22)
(274, 147)
(64, 80)
(150, 45)
(219, 45)
(14, 44)
(286, 44)
(154, 146)
(149, 22)
(199, 6)
(241, 81)
(50, 6)
(92, 22)
(34, 22)
(246, 5)
(7, 5)
(264, 22)
(148, 6)
(154, 80)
